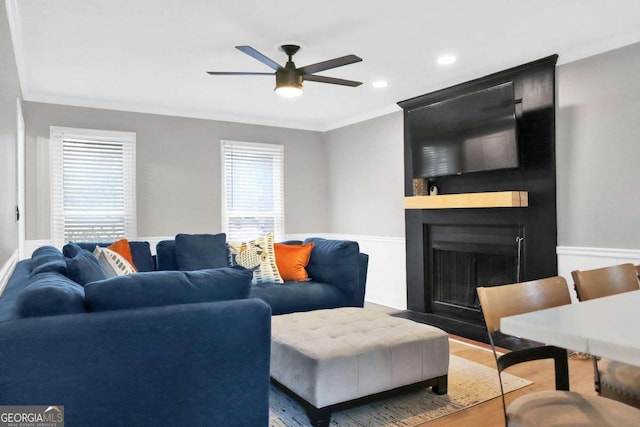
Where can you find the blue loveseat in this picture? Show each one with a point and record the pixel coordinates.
(157, 347)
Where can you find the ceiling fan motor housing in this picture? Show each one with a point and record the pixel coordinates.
(288, 77)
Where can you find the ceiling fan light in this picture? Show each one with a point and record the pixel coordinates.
(289, 91)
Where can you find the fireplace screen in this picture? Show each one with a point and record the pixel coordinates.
(458, 273)
(461, 258)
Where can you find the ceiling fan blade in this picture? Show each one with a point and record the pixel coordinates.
(238, 73)
(260, 57)
(326, 65)
(331, 80)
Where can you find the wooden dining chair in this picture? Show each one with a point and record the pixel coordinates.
(602, 282)
(550, 407)
(613, 379)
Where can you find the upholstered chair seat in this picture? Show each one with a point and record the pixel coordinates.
(620, 379)
(564, 408)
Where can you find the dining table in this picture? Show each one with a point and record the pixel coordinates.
(607, 327)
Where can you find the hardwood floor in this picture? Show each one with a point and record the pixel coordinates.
(490, 413)
(540, 372)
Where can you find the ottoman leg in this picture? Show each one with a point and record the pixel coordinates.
(441, 385)
(318, 417)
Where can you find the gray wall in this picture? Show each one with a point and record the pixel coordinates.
(598, 150)
(598, 153)
(9, 91)
(178, 168)
(366, 177)
(350, 180)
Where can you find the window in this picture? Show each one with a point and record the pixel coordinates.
(252, 190)
(93, 185)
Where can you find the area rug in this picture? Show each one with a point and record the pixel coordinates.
(470, 383)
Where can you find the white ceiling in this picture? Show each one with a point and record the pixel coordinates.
(151, 55)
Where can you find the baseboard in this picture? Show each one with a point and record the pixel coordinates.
(7, 269)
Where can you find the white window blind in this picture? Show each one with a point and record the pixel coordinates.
(93, 183)
(252, 190)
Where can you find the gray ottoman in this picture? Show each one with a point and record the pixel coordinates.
(332, 357)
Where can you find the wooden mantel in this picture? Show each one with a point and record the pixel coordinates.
(494, 199)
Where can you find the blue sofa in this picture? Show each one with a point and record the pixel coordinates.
(158, 347)
(193, 363)
(337, 268)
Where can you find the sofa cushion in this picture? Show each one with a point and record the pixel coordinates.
(289, 297)
(258, 256)
(159, 288)
(50, 294)
(292, 260)
(166, 255)
(57, 265)
(140, 252)
(72, 249)
(201, 251)
(43, 255)
(84, 268)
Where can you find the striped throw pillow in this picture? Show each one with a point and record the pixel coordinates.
(113, 263)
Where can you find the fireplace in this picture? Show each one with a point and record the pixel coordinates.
(459, 258)
(464, 237)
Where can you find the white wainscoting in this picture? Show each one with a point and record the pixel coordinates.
(386, 279)
(7, 269)
(387, 274)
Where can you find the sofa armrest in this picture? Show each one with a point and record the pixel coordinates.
(341, 264)
(191, 364)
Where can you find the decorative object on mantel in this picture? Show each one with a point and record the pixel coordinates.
(420, 187)
(470, 383)
(433, 190)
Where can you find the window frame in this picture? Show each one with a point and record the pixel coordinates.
(278, 214)
(58, 135)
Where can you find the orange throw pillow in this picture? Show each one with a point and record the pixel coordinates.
(291, 261)
(122, 247)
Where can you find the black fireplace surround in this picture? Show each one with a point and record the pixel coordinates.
(450, 252)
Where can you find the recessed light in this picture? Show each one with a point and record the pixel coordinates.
(446, 59)
(380, 83)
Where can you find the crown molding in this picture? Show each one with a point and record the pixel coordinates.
(11, 7)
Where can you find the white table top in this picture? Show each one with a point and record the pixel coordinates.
(607, 327)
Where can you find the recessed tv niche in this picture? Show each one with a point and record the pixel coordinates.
(468, 133)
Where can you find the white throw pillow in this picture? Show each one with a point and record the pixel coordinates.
(258, 256)
(113, 263)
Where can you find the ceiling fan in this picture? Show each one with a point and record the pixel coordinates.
(289, 78)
